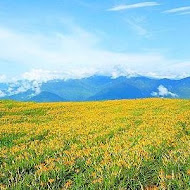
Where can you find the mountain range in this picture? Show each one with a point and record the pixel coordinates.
(95, 88)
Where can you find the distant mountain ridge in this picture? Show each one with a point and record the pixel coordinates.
(95, 88)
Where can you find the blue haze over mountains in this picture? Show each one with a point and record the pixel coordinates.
(95, 88)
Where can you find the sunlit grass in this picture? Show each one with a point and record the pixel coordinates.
(127, 144)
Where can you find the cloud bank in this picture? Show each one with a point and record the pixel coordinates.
(19, 87)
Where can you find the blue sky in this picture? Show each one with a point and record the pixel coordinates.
(45, 39)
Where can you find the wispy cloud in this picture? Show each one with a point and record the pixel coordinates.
(134, 6)
(137, 24)
(139, 29)
(61, 55)
(177, 10)
(185, 13)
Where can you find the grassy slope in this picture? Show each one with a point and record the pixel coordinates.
(129, 144)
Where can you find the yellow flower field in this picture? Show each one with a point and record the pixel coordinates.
(124, 144)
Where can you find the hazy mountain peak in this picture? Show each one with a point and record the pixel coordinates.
(96, 87)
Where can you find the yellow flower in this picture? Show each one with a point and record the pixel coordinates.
(99, 180)
(68, 184)
(51, 180)
(151, 188)
(188, 172)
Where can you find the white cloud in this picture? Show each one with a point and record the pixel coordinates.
(18, 87)
(122, 71)
(3, 78)
(133, 6)
(154, 94)
(177, 10)
(41, 75)
(163, 92)
(46, 75)
(2, 94)
(36, 87)
(185, 13)
(53, 51)
(137, 24)
(22, 87)
(77, 54)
